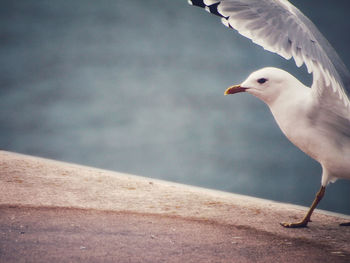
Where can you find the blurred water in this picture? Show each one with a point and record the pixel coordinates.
(137, 86)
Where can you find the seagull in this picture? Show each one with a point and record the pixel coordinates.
(316, 119)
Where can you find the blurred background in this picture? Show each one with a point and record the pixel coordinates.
(137, 87)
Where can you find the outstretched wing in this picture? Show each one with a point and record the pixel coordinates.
(279, 27)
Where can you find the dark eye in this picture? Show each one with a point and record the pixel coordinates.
(262, 80)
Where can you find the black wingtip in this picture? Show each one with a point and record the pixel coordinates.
(213, 9)
(199, 3)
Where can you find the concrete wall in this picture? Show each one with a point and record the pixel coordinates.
(31, 182)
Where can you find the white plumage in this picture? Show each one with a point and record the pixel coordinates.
(315, 119)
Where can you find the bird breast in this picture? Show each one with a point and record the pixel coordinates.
(292, 116)
(313, 135)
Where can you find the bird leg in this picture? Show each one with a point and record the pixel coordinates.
(306, 219)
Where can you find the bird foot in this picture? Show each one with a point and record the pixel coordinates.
(345, 224)
(295, 225)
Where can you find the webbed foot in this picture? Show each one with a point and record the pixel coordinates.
(307, 218)
(295, 225)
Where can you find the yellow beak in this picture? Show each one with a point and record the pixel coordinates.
(234, 89)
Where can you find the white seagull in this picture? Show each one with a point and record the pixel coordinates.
(316, 119)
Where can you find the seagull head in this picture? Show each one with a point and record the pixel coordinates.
(267, 84)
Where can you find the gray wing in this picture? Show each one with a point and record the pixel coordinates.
(279, 27)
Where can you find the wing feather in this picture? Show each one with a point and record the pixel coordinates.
(279, 27)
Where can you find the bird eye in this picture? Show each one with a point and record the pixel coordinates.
(262, 80)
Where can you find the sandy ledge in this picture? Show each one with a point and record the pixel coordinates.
(57, 211)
